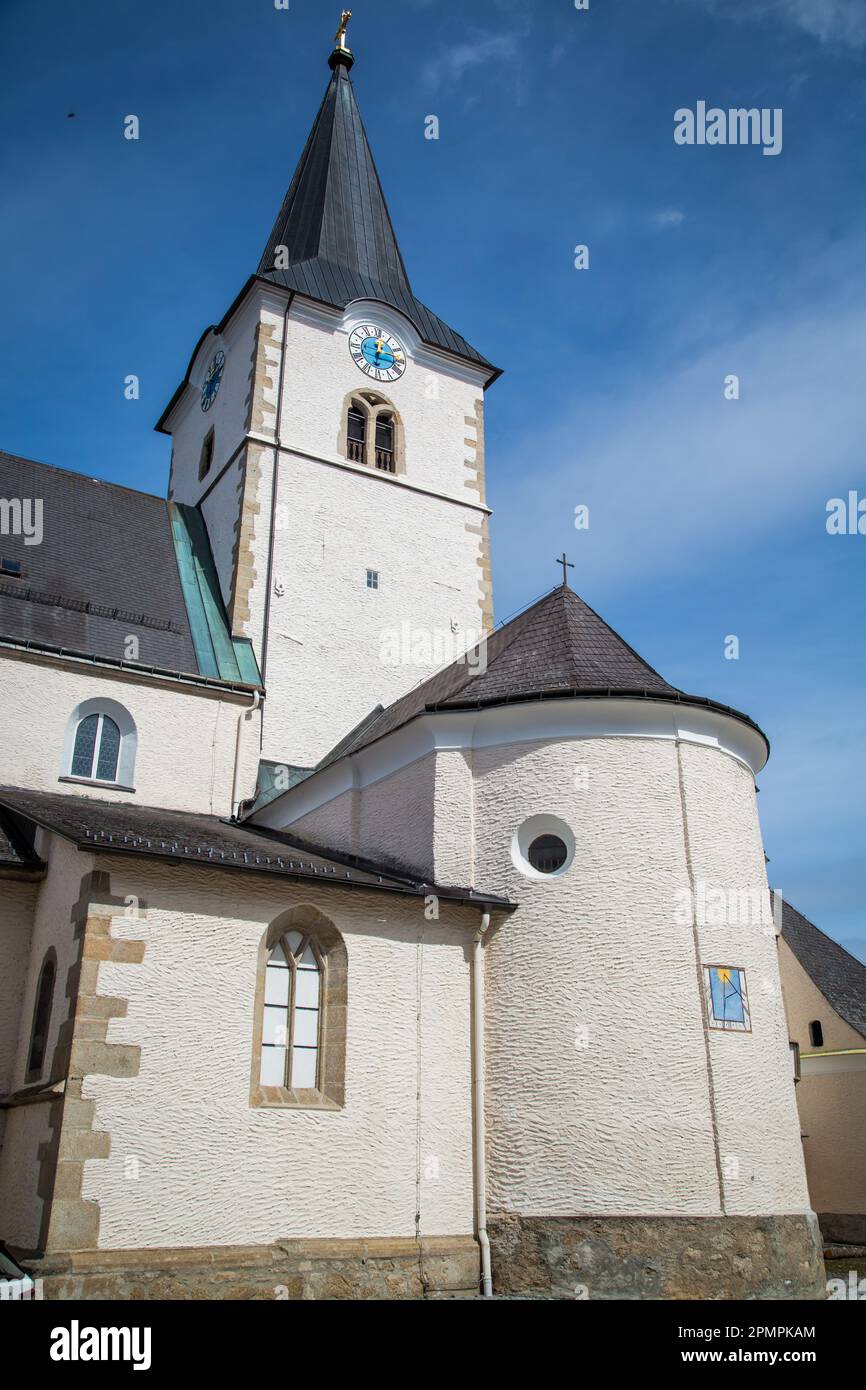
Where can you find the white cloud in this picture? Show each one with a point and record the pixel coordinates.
(668, 217)
(452, 63)
(832, 22)
(674, 473)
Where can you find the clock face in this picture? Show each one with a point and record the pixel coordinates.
(377, 352)
(213, 377)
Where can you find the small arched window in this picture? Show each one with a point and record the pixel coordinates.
(101, 743)
(385, 454)
(816, 1034)
(356, 439)
(41, 1019)
(299, 1057)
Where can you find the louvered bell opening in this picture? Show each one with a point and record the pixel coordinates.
(385, 443)
(355, 444)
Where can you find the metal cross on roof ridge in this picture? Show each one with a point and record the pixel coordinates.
(566, 565)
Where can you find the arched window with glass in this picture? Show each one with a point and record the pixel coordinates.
(101, 743)
(97, 749)
(299, 1053)
(293, 996)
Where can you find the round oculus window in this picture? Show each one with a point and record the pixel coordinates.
(547, 854)
(543, 847)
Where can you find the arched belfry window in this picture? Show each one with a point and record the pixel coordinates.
(385, 442)
(372, 432)
(300, 1043)
(101, 744)
(41, 1018)
(356, 435)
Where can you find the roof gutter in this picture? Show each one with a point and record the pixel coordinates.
(132, 668)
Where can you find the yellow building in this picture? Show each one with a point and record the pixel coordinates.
(825, 1000)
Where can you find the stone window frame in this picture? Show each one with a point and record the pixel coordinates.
(34, 1073)
(329, 947)
(373, 404)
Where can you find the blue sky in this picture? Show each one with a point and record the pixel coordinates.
(707, 516)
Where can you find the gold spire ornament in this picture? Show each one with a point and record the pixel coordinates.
(340, 36)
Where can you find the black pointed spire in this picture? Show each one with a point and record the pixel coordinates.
(335, 209)
(333, 239)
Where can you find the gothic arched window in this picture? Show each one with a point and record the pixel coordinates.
(300, 1051)
(290, 1032)
(41, 1019)
(101, 743)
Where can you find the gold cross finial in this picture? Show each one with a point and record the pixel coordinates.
(340, 36)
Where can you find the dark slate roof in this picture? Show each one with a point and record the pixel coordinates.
(105, 570)
(840, 977)
(557, 647)
(336, 227)
(16, 848)
(119, 828)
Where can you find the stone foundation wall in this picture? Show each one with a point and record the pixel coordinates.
(294, 1269)
(658, 1257)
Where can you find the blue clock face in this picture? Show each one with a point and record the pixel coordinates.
(378, 353)
(213, 377)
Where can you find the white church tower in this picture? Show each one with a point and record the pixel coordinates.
(331, 430)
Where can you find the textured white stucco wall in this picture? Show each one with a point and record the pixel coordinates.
(618, 1118)
(390, 822)
(221, 511)
(433, 402)
(27, 1126)
(211, 1170)
(189, 424)
(186, 735)
(335, 520)
(17, 903)
(756, 1108)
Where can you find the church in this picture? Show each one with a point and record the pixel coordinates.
(352, 946)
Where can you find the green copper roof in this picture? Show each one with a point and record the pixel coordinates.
(218, 653)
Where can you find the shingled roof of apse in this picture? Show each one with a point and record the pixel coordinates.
(558, 645)
(105, 569)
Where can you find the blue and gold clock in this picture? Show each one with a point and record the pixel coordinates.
(377, 352)
(213, 377)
